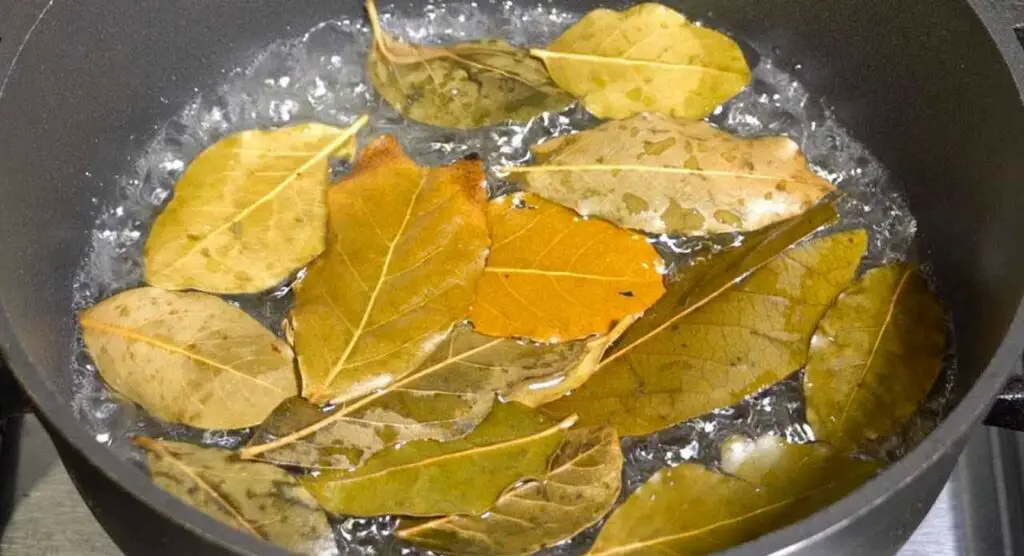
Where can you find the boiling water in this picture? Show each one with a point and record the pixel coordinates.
(321, 76)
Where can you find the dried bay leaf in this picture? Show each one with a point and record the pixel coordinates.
(450, 393)
(582, 484)
(248, 211)
(710, 345)
(464, 85)
(874, 357)
(406, 246)
(189, 358)
(661, 175)
(254, 497)
(691, 510)
(463, 476)
(552, 276)
(648, 58)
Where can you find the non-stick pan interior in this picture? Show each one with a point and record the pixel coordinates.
(94, 80)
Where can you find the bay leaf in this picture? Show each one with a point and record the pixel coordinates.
(463, 476)
(552, 276)
(648, 58)
(660, 175)
(463, 85)
(874, 357)
(248, 211)
(406, 246)
(691, 510)
(581, 485)
(444, 399)
(705, 347)
(254, 497)
(189, 358)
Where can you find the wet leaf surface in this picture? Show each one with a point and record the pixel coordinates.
(248, 211)
(406, 246)
(464, 85)
(463, 476)
(552, 276)
(874, 357)
(703, 347)
(582, 484)
(690, 510)
(254, 497)
(648, 58)
(445, 398)
(189, 357)
(661, 175)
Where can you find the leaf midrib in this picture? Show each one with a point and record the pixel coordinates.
(655, 169)
(545, 54)
(562, 273)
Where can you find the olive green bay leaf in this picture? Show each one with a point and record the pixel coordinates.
(450, 393)
(406, 246)
(874, 357)
(248, 211)
(648, 58)
(189, 358)
(582, 484)
(660, 175)
(254, 497)
(431, 478)
(691, 510)
(464, 85)
(705, 348)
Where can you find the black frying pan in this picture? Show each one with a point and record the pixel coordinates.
(933, 88)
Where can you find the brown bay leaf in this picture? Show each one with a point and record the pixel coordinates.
(450, 393)
(464, 85)
(552, 276)
(406, 246)
(648, 58)
(189, 358)
(660, 175)
(709, 345)
(691, 510)
(257, 498)
(462, 476)
(248, 211)
(581, 485)
(874, 357)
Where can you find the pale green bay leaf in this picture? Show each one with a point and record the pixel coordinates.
(430, 478)
(704, 347)
(691, 510)
(660, 175)
(464, 85)
(448, 395)
(189, 357)
(257, 498)
(648, 58)
(874, 357)
(248, 211)
(582, 484)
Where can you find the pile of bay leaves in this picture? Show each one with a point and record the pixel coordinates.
(470, 363)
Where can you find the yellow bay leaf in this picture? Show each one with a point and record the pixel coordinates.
(257, 498)
(464, 85)
(709, 343)
(552, 276)
(661, 175)
(444, 399)
(189, 357)
(428, 478)
(648, 58)
(581, 485)
(248, 211)
(691, 510)
(874, 357)
(406, 246)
